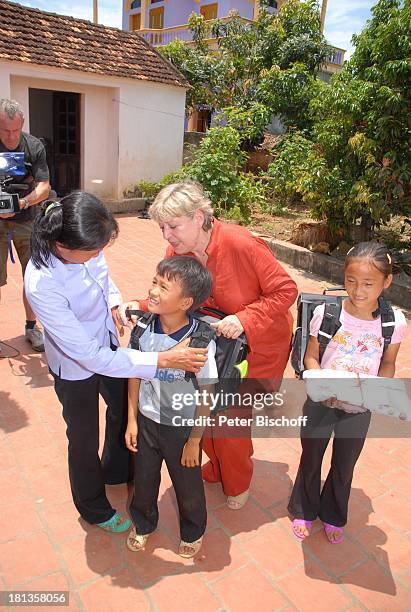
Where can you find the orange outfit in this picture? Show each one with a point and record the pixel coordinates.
(250, 283)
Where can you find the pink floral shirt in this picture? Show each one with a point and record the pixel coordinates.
(358, 344)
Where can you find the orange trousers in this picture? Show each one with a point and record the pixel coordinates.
(230, 458)
(230, 463)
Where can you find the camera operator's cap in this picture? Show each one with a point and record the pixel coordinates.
(51, 206)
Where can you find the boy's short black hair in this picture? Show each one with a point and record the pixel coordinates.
(196, 281)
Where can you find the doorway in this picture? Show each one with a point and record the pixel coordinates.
(55, 119)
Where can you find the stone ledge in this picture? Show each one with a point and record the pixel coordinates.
(332, 269)
(125, 206)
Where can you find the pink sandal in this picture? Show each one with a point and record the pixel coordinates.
(328, 529)
(299, 523)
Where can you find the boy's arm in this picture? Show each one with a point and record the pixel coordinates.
(191, 452)
(312, 354)
(387, 365)
(131, 431)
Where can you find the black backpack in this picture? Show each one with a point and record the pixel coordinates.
(230, 354)
(306, 304)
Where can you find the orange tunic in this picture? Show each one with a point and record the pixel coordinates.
(249, 282)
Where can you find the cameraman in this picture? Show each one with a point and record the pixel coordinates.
(19, 226)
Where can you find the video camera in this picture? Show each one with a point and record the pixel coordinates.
(12, 165)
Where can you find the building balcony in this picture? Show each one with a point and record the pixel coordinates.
(165, 36)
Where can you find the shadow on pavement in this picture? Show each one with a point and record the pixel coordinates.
(344, 560)
(12, 417)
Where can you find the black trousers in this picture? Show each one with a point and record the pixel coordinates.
(307, 501)
(88, 475)
(155, 443)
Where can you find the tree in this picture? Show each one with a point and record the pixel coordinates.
(355, 162)
(201, 69)
(271, 62)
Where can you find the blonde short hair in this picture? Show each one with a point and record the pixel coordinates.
(179, 199)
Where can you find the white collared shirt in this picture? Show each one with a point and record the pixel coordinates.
(73, 303)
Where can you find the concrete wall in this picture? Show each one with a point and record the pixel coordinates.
(177, 13)
(245, 8)
(332, 269)
(130, 130)
(4, 83)
(151, 128)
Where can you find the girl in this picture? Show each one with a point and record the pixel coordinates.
(357, 347)
(69, 288)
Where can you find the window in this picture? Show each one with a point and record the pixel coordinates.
(135, 22)
(135, 4)
(157, 18)
(272, 4)
(209, 11)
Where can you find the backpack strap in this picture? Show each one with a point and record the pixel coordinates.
(330, 324)
(145, 320)
(200, 338)
(202, 335)
(387, 321)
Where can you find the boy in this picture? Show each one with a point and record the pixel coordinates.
(155, 430)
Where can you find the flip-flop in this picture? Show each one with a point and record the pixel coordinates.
(191, 548)
(301, 522)
(328, 529)
(116, 524)
(136, 541)
(236, 502)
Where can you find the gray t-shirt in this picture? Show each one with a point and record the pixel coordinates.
(168, 394)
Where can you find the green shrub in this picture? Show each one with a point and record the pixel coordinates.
(301, 169)
(250, 123)
(147, 189)
(218, 165)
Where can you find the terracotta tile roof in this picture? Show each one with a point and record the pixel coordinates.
(36, 37)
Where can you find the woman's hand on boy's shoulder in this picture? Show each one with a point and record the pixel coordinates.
(183, 357)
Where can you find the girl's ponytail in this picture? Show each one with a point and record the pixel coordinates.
(47, 229)
(78, 222)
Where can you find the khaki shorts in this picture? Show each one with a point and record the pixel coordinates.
(20, 234)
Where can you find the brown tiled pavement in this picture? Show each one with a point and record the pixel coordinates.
(35, 37)
(249, 561)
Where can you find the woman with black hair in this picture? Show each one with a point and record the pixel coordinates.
(69, 288)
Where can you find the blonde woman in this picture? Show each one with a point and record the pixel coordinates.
(255, 292)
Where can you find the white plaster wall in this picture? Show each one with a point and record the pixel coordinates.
(151, 131)
(4, 83)
(130, 129)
